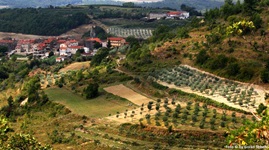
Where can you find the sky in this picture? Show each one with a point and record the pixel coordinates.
(139, 1)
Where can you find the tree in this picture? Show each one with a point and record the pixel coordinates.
(101, 54)
(233, 69)
(157, 107)
(109, 44)
(240, 28)
(128, 4)
(91, 91)
(202, 124)
(3, 50)
(97, 45)
(51, 53)
(249, 6)
(149, 106)
(202, 57)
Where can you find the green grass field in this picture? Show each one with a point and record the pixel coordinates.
(101, 106)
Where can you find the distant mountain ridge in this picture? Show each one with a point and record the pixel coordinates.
(175, 4)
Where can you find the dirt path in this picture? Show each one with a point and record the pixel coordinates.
(77, 33)
(98, 23)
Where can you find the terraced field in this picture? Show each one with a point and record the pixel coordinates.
(137, 33)
(235, 94)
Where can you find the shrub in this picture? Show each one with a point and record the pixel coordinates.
(91, 91)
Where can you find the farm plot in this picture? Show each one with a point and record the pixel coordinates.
(125, 92)
(76, 66)
(137, 33)
(171, 112)
(191, 80)
(101, 106)
(192, 115)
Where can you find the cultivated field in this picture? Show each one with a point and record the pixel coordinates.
(101, 106)
(235, 94)
(127, 93)
(171, 112)
(137, 33)
(76, 66)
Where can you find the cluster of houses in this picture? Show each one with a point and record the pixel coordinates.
(62, 47)
(169, 15)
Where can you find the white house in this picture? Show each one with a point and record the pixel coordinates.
(64, 50)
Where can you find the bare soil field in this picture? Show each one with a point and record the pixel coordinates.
(125, 92)
(77, 33)
(18, 36)
(76, 66)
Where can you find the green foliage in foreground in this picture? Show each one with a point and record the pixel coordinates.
(17, 141)
(253, 133)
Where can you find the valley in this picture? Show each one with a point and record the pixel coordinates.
(120, 77)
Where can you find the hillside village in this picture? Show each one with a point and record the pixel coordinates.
(63, 47)
(169, 15)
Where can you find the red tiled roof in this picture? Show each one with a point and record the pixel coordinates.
(174, 13)
(115, 38)
(76, 47)
(26, 41)
(61, 41)
(41, 46)
(6, 41)
(94, 40)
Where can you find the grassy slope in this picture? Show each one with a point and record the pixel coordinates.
(99, 107)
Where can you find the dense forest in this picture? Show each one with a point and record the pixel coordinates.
(42, 21)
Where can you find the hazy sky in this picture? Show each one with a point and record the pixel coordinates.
(139, 1)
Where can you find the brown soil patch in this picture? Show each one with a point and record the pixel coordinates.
(77, 33)
(76, 66)
(20, 36)
(125, 92)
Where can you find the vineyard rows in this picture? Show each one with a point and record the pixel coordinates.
(137, 33)
(186, 77)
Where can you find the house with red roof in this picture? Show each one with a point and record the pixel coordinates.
(10, 44)
(178, 14)
(73, 49)
(90, 42)
(116, 41)
(64, 50)
(25, 46)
